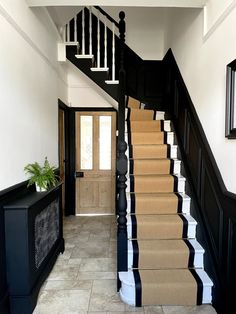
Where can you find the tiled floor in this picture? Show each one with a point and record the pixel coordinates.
(84, 277)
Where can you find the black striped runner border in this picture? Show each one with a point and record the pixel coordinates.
(138, 288)
(185, 226)
(199, 286)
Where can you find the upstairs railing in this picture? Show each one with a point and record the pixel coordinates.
(96, 35)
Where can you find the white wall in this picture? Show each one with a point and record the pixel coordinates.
(214, 9)
(31, 81)
(83, 92)
(203, 66)
(145, 29)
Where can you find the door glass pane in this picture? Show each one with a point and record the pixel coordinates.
(86, 142)
(105, 142)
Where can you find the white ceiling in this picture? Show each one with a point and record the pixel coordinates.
(121, 3)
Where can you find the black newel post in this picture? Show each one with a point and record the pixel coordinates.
(122, 252)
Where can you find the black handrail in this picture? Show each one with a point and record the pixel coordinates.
(106, 15)
(122, 245)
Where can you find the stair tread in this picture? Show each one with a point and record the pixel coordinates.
(128, 278)
(158, 246)
(163, 219)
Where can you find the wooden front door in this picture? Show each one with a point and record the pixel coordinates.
(95, 162)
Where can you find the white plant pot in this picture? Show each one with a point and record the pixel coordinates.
(39, 189)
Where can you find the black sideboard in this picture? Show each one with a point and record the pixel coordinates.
(33, 240)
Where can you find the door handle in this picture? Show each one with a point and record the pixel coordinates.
(79, 174)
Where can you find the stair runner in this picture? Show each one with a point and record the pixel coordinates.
(165, 261)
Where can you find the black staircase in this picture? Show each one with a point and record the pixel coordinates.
(160, 86)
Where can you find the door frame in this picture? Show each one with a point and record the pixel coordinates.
(66, 109)
(70, 126)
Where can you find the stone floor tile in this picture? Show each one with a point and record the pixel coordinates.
(202, 309)
(98, 264)
(104, 297)
(68, 285)
(63, 301)
(63, 272)
(153, 310)
(90, 251)
(132, 309)
(75, 261)
(84, 275)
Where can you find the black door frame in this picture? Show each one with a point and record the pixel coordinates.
(66, 109)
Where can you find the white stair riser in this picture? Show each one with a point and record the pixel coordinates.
(186, 201)
(197, 262)
(127, 291)
(191, 232)
(160, 115)
(167, 126)
(173, 152)
(169, 138)
(180, 187)
(176, 168)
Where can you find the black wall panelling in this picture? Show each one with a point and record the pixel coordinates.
(5, 196)
(212, 205)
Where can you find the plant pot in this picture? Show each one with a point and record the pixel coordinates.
(39, 189)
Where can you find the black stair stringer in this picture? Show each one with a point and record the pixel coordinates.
(98, 77)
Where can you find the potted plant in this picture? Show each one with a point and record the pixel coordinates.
(43, 177)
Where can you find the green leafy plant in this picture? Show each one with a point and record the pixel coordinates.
(43, 177)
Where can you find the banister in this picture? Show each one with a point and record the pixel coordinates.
(122, 244)
(107, 15)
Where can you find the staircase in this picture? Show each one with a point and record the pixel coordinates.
(165, 261)
(160, 262)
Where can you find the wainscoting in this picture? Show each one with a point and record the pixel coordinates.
(213, 206)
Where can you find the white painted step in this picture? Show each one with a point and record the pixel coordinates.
(99, 69)
(180, 185)
(198, 253)
(186, 200)
(176, 168)
(84, 56)
(173, 151)
(112, 82)
(169, 138)
(191, 231)
(167, 126)
(160, 115)
(127, 290)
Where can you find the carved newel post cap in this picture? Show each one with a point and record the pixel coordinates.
(122, 15)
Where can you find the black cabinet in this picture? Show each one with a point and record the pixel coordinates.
(33, 239)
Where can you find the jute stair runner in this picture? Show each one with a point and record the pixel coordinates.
(162, 256)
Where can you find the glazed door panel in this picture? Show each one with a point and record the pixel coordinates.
(95, 163)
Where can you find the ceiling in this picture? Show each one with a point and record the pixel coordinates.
(120, 3)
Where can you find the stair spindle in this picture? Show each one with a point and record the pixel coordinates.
(113, 52)
(122, 244)
(98, 40)
(90, 31)
(64, 33)
(75, 28)
(105, 43)
(83, 33)
(68, 32)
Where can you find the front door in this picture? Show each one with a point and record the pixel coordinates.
(95, 162)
